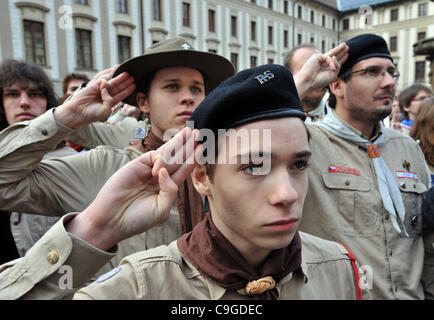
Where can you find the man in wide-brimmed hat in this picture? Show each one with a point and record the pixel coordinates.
(168, 82)
(175, 52)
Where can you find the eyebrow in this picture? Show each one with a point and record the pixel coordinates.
(238, 157)
(179, 80)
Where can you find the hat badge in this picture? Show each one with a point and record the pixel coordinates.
(185, 46)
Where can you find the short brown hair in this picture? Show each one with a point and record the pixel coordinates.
(287, 61)
(73, 76)
(408, 94)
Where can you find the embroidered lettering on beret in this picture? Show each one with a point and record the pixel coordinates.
(262, 78)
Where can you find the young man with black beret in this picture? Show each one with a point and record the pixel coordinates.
(367, 182)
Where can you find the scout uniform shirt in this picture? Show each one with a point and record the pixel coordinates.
(123, 134)
(27, 229)
(343, 204)
(326, 272)
(58, 186)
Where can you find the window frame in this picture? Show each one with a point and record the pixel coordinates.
(33, 25)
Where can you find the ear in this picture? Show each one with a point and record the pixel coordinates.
(201, 180)
(337, 88)
(143, 103)
(406, 109)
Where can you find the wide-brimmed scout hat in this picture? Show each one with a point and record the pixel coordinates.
(176, 52)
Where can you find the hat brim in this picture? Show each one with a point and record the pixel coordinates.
(214, 67)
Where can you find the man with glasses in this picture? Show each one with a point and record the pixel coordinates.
(409, 102)
(366, 182)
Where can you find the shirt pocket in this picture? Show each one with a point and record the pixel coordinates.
(412, 195)
(359, 213)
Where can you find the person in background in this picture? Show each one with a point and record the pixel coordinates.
(423, 132)
(26, 93)
(70, 84)
(409, 102)
(314, 104)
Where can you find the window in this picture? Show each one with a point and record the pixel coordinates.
(300, 12)
(85, 2)
(346, 24)
(423, 9)
(34, 42)
(299, 38)
(394, 15)
(124, 48)
(122, 6)
(270, 4)
(211, 20)
(393, 43)
(212, 51)
(421, 35)
(233, 26)
(253, 1)
(420, 71)
(234, 60)
(334, 24)
(270, 61)
(253, 30)
(285, 38)
(185, 14)
(270, 35)
(84, 49)
(312, 39)
(323, 20)
(323, 46)
(285, 7)
(156, 10)
(253, 61)
(312, 16)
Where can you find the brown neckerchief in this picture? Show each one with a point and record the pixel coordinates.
(218, 260)
(190, 207)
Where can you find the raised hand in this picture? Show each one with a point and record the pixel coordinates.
(320, 70)
(139, 195)
(95, 102)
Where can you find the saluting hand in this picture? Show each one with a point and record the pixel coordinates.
(95, 102)
(320, 70)
(139, 195)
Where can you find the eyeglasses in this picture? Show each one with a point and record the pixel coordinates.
(375, 71)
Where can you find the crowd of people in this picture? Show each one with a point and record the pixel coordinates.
(120, 181)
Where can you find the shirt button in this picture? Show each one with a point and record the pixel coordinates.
(347, 182)
(402, 185)
(44, 132)
(414, 220)
(53, 257)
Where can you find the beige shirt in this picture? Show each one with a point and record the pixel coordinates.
(122, 134)
(27, 229)
(346, 206)
(161, 273)
(58, 186)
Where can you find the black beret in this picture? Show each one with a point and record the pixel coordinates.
(428, 208)
(259, 93)
(362, 47)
